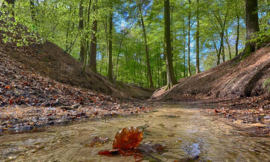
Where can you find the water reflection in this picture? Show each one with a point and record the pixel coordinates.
(188, 135)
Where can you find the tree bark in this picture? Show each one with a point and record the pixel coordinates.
(217, 51)
(221, 47)
(117, 60)
(87, 48)
(252, 24)
(222, 24)
(110, 65)
(67, 32)
(198, 41)
(146, 50)
(184, 49)
(189, 28)
(228, 44)
(93, 45)
(223, 51)
(170, 72)
(237, 31)
(81, 26)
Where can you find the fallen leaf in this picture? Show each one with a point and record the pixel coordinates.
(128, 138)
(108, 152)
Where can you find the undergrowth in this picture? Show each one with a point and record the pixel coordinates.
(266, 83)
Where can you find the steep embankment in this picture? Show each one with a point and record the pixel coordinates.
(51, 61)
(232, 79)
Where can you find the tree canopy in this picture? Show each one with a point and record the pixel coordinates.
(143, 42)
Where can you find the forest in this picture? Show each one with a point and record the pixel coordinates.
(125, 40)
(135, 80)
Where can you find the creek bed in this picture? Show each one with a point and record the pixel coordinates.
(187, 133)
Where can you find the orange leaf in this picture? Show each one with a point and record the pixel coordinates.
(128, 138)
(108, 152)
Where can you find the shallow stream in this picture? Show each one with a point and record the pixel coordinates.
(188, 134)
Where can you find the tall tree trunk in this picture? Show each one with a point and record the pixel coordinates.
(217, 51)
(88, 27)
(174, 55)
(146, 50)
(189, 28)
(67, 32)
(117, 60)
(228, 44)
(93, 45)
(237, 31)
(222, 24)
(158, 69)
(252, 24)
(69, 49)
(223, 51)
(87, 50)
(198, 41)
(220, 51)
(110, 65)
(170, 72)
(184, 35)
(222, 45)
(81, 26)
(165, 73)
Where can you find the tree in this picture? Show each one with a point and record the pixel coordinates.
(189, 33)
(198, 40)
(146, 45)
(81, 27)
(170, 72)
(93, 46)
(110, 65)
(237, 30)
(221, 26)
(252, 24)
(228, 44)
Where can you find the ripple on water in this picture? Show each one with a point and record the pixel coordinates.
(187, 133)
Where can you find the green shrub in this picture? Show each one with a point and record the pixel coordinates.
(266, 83)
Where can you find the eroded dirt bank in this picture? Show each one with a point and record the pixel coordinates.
(42, 85)
(29, 100)
(236, 78)
(49, 60)
(236, 86)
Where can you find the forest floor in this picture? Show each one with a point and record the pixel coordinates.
(29, 101)
(51, 61)
(249, 114)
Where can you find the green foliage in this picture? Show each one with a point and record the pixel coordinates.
(58, 21)
(266, 83)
